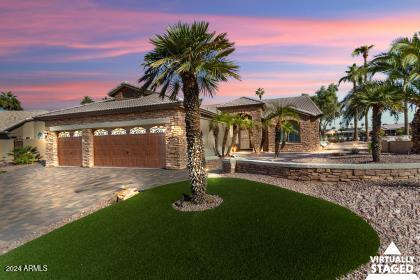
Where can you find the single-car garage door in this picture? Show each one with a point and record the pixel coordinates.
(69, 147)
(130, 147)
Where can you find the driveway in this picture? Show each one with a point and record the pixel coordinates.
(34, 197)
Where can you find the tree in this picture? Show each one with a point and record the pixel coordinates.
(191, 58)
(364, 51)
(327, 101)
(287, 128)
(401, 65)
(86, 100)
(281, 116)
(238, 123)
(259, 92)
(10, 102)
(226, 120)
(380, 96)
(355, 76)
(265, 125)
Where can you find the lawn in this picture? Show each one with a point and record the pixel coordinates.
(259, 232)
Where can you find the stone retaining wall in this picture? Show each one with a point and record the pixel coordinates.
(325, 172)
(214, 164)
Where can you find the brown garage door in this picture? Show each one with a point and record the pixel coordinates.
(69, 151)
(131, 150)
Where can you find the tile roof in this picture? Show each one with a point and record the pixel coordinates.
(301, 103)
(10, 119)
(241, 101)
(112, 105)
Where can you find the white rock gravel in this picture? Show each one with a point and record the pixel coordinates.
(392, 208)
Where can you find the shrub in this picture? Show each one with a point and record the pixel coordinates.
(370, 147)
(25, 155)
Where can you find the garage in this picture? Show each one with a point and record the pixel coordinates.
(130, 147)
(69, 148)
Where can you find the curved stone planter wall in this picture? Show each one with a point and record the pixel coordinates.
(324, 172)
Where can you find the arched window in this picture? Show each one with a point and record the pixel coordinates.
(294, 136)
(100, 132)
(118, 131)
(77, 133)
(137, 130)
(63, 134)
(158, 129)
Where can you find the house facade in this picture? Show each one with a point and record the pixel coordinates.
(18, 129)
(136, 128)
(305, 137)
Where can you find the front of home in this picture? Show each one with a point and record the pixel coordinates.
(135, 128)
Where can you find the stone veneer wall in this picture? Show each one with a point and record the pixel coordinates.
(309, 136)
(214, 164)
(331, 174)
(256, 113)
(87, 148)
(176, 147)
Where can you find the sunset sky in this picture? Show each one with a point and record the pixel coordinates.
(53, 53)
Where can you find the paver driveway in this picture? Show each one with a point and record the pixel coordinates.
(33, 197)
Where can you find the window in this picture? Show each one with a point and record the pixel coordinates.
(158, 129)
(77, 133)
(40, 135)
(294, 136)
(100, 132)
(63, 134)
(137, 130)
(118, 131)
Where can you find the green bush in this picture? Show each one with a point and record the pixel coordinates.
(25, 155)
(370, 147)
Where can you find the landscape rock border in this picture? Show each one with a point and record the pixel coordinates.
(212, 201)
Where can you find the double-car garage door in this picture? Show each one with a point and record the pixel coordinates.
(118, 147)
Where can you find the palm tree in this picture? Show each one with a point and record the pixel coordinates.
(353, 75)
(191, 58)
(238, 123)
(10, 102)
(287, 128)
(364, 51)
(86, 100)
(249, 125)
(281, 114)
(260, 92)
(265, 125)
(226, 120)
(380, 96)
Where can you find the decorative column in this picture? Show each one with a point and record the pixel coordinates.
(51, 150)
(87, 148)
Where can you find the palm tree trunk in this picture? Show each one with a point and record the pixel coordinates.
(251, 134)
(376, 133)
(195, 150)
(263, 138)
(367, 125)
(225, 137)
(356, 128)
(234, 136)
(216, 140)
(406, 124)
(277, 139)
(415, 131)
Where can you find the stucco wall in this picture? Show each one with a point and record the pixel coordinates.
(6, 146)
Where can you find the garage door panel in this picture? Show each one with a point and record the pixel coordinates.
(138, 150)
(69, 151)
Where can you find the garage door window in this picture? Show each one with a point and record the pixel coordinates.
(158, 129)
(77, 133)
(138, 130)
(118, 131)
(63, 134)
(100, 132)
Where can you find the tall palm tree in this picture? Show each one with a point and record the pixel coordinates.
(364, 51)
(355, 76)
(380, 96)
(287, 128)
(9, 102)
(265, 125)
(238, 123)
(249, 125)
(260, 92)
(281, 115)
(191, 58)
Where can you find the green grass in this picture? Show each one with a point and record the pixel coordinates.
(259, 232)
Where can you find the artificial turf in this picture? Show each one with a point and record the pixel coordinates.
(259, 232)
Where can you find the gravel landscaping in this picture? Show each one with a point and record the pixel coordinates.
(360, 158)
(392, 208)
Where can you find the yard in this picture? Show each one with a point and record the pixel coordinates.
(259, 232)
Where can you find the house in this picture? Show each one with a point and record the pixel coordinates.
(17, 129)
(136, 128)
(306, 135)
